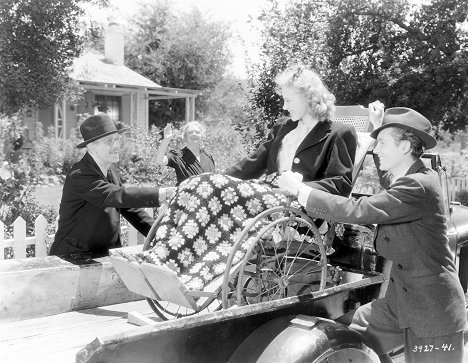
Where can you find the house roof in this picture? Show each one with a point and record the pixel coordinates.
(92, 68)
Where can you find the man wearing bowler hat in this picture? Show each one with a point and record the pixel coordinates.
(93, 196)
(424, 306)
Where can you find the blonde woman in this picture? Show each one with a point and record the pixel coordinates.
(190, 160)
(306, 142)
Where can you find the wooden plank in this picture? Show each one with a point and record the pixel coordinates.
(135, 318)
(58, 338)
(167, 285)
(40, 231)
(19, 236)
(35, 287)
(132, 276)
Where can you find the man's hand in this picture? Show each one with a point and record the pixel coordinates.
(376, 113)
(290, 182)
(168, 132)
(165, 194)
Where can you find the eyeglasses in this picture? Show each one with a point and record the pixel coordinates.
(111, 142)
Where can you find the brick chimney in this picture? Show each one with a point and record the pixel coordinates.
(114, 44)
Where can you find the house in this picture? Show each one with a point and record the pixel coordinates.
(109, 86)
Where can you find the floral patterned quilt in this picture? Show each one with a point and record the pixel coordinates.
(203, 220)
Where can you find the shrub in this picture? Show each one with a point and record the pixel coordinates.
(51, 156)
(462, 197)
(138, 153)
(11, 131)
(137, 166)
(16, 193)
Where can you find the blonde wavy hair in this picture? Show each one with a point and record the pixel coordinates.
(305, 80)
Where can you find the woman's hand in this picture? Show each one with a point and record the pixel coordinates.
(376, 113)
(290, 182)
(168, 132)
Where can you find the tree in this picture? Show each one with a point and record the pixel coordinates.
(184, 50)
(402, 54)
(38, 41)
(290, 34)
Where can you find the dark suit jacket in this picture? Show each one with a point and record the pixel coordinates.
(89, 215)
(325, 157)
(424, 290)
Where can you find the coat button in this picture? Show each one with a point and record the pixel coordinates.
(386, 239)
(296, 160)
(405, 289)
(400, 266)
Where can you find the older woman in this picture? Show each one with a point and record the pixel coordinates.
(192, 159)
(307, 141)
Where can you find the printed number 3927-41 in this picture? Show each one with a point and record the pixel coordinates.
(429, 348)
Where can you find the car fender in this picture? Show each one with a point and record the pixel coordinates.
(301, 338)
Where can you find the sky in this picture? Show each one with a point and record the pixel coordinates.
(235, 12)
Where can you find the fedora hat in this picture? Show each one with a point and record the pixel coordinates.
(96, 127)
(410, 120)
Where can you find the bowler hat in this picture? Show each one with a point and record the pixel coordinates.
(96, 127)
(410, 120)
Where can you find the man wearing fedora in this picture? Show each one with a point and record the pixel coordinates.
(93, 196)
(424, 306)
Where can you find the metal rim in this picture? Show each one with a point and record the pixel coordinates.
(269, 271)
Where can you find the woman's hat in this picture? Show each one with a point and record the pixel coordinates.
(410, 120)
(96, 127)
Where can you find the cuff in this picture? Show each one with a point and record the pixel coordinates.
(162, 196)
(303, 194)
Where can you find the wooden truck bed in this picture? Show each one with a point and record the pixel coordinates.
(58, 338)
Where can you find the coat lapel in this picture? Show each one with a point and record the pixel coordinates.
(316, 135)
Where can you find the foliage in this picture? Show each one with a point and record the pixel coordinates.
(462, 197)
(290, 34)
(11, 130)
(51, 156)
(225, 144)
(185, 50)
(454, 157)
(38, 41)
(229, 105)
(17, 196)
(404, 55)
(137, 165)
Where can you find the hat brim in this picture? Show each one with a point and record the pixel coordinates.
(429, 141)
(84, 143)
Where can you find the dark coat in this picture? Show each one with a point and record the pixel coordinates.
(89, 215)
(186, 164)
(424, 290)
(325, 157)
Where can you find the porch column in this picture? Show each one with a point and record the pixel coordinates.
(60, 119)
(192, 108)
(187, 109)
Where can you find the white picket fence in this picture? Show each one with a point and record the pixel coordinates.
(20, 242)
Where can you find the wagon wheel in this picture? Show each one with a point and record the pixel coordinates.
(167, 310)
(284, 256)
